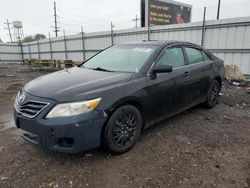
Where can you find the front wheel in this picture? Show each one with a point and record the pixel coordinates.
(212, 95)
(123, 129)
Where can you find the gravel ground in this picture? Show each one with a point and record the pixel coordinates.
(197, 148)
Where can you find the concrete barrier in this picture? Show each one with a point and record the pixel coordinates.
(233, 72)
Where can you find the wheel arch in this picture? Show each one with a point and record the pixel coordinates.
(134, 101)
(219, 80)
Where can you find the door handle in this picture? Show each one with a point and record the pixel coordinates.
(186, 74)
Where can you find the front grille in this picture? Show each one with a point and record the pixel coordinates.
(30, 109)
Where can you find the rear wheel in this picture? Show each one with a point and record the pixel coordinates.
(123, 129)
(213, 94)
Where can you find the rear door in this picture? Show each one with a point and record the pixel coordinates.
(200, 67)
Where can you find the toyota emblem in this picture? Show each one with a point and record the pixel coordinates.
(21, 98)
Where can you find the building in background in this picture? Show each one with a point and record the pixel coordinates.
(164, 12)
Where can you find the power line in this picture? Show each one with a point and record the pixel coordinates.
(228, 11)
(228, 4)
(42, 19)
(40, 13)
(8, 28)
(77, 15)
(73, 22)
(110, 13)
(104, 18)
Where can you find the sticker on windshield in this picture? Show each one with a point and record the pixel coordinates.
(146, 50)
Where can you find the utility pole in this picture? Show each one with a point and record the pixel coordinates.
(8, 28)
(218, 10)
(136, 20)
(203, 27)
(55, 15)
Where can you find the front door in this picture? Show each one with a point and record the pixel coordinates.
(167, 92)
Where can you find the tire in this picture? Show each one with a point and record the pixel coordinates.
(212, 95)
(123, 129)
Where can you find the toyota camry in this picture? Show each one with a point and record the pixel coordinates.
(112, 97)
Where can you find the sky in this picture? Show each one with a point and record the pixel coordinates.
(96, 15)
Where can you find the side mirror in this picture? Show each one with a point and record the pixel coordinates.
(162, 69)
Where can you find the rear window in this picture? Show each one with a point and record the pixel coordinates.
(205, 56)
(194, 55)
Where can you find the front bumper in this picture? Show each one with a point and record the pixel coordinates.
(68, 135)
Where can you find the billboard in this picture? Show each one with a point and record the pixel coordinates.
(164, 12)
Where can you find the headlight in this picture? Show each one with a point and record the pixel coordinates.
(72, 109)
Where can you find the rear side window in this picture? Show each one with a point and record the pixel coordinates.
(194, 55)
(172, 56)
(205, 56)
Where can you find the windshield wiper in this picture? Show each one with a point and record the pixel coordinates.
(102, 69)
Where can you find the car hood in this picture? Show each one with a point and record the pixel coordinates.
(70, 84)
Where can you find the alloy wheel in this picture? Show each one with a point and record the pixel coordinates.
(214, 93)
(124, 129)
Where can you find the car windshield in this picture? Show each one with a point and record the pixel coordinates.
(122, 58)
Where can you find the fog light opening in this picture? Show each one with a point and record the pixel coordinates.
(65, 142)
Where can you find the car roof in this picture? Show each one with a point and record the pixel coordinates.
(158, 42)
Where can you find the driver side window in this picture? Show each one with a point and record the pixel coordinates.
(172, 56)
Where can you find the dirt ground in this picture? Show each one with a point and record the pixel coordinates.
(197, 148)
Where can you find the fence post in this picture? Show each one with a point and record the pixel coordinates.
(203, 27)
(21, 46)
(65, 45)
(50, 47)
(29, 50)
(83, 44)
(38, 49)
(112, 34)
(149, 32)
